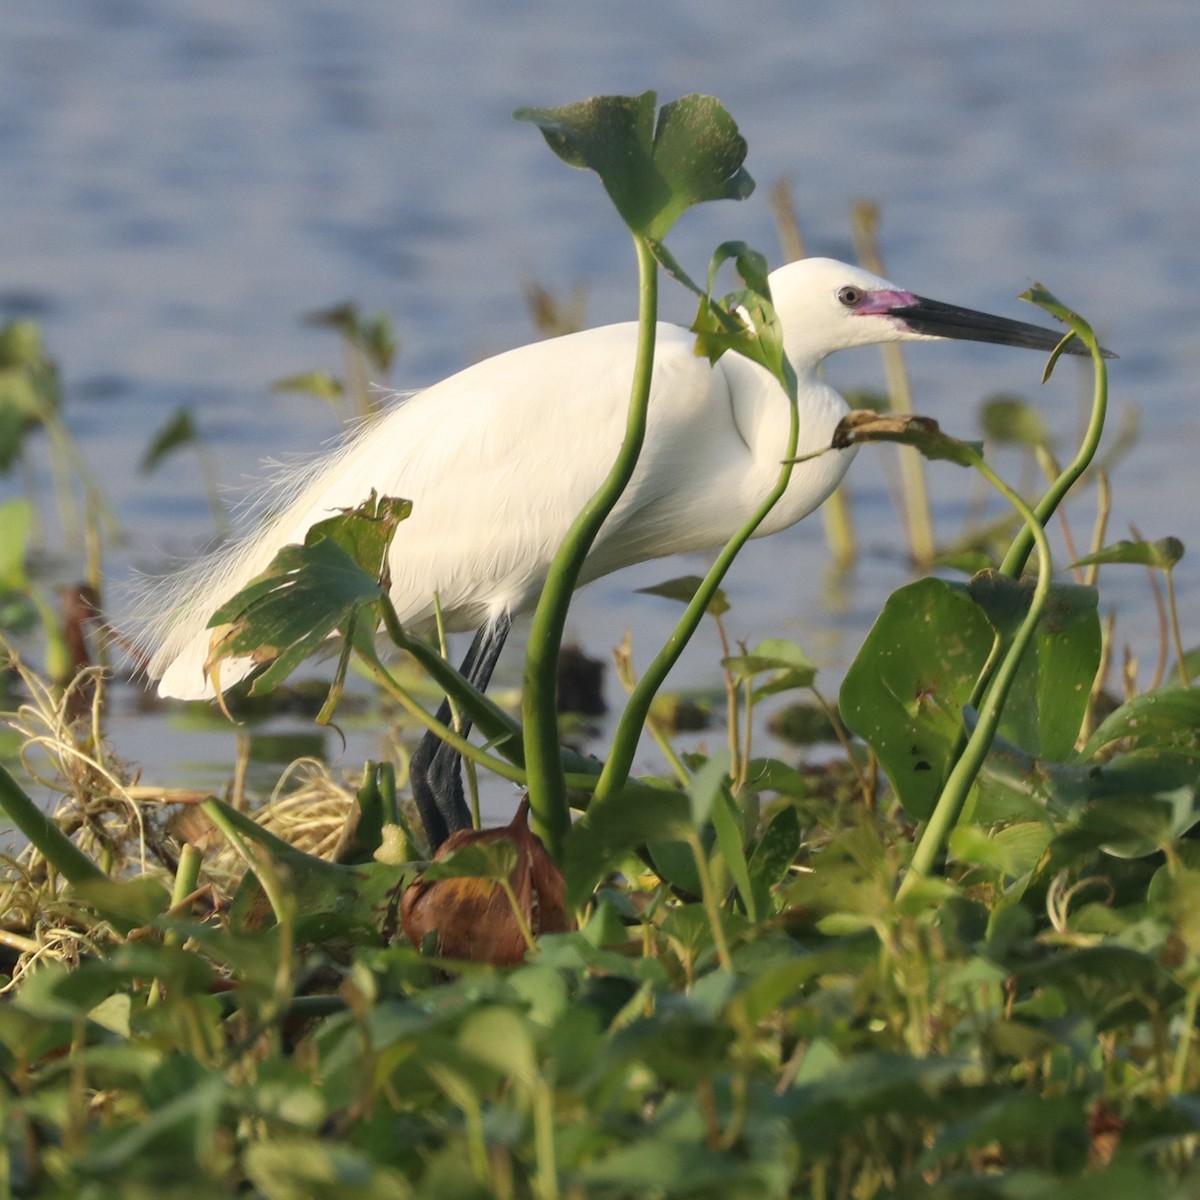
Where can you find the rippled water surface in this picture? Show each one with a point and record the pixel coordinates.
(182, 180)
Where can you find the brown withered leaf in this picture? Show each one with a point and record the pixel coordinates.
(922, 433)
(1104, 1131)
(471, 915)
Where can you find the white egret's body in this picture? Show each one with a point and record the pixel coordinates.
(497, 461)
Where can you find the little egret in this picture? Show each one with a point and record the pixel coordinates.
(498, 459)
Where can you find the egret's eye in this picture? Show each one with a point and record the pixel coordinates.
(850, 295)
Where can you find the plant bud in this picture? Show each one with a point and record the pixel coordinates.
(469, 911)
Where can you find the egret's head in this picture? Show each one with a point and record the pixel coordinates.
(826, 305)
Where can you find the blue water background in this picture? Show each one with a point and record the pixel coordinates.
(180, 180)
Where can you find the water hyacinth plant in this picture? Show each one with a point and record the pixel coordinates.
(967, 964)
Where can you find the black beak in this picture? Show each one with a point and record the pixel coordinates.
(949, 321)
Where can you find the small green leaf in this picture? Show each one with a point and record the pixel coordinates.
(128, 903)
(501, 1039)
(1010, 420)
(330, 898)
(608, 832)
(707, 784)
(320, 384)
(1010, 852)
(771, 775)
(1107, 982)
(1050, 694)
(377, 340)
(728, 828)
(774, 855)
(343, 319)
(791, 666)
(1163, 554)
(653, 167)
(365, 532)
(1165, 716)
(290, 1168)
(285, 615)
(308, 592)
(16, 521)
(178, 431)
(684, 588)
(495, 859)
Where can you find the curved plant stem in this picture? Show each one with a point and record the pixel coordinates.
(1018, 552)
(962, 776)
(488, 717)
(543, 756)
(581, 774)
(452, 737)
(629, 728)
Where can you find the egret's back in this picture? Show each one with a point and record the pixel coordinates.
(497, 461)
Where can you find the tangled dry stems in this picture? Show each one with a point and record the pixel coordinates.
(124, 826)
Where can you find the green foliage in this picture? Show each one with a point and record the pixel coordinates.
(179, 430)
(309, 592)
(905, 692)
(776, 989)
(369, 347)
(1164, 553)
(963, 1041)
(29, 391)
(16, 521)
(684, 589)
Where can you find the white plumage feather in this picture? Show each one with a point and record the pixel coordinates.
(498, 459)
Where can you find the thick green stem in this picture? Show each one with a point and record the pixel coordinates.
(958, 785)
(620, 760)
(54, 845)
(543, 756)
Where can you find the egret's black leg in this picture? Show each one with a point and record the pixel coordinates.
(435, 767)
